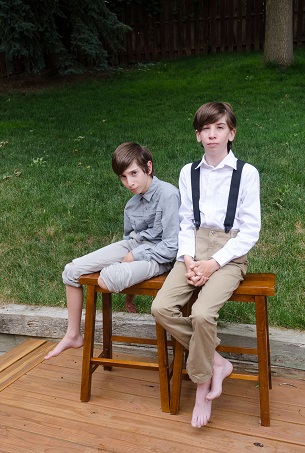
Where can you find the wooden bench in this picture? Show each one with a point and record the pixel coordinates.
(255, 288)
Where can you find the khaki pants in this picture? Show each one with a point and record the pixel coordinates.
(198, 332)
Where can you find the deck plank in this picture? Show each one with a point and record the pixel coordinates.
(26, 358)
(41, 411)
(244, 418)
(19, 352)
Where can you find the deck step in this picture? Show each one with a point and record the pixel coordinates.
(21, 359)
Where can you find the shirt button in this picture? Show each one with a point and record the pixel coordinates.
(213, 231)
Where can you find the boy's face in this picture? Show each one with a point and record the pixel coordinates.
(214, 138)
(135, 179)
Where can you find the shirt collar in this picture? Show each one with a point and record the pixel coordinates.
(152, 189)
(230, 160)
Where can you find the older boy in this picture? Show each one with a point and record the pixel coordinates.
(209, 258)
(151, 226)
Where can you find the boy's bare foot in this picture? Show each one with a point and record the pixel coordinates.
(66, 343)
(222, 368)
(202, 409)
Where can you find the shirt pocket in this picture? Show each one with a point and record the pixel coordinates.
(138, 222)
(155, 222)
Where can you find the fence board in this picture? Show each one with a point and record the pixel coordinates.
(178, 39)
(299, 23)
(239, 32)
(213, 26)
(256, 19)
(231, 26)
(162, 34)
(196, 28)
(189, 26)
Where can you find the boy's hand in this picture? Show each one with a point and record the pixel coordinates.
(128, 258)
(190, 274)
(199, 272)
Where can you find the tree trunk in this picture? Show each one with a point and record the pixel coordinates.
(278, 47)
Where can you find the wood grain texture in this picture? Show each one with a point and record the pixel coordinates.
(40, 412)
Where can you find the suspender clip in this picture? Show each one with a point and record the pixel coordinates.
(196, 224)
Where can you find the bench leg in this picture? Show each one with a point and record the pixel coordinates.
(88, 344)
(107, 328)
(263, 358)
(176, 378)
(163, 368)
(268, 344)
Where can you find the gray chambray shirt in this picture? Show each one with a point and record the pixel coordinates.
(153, 217)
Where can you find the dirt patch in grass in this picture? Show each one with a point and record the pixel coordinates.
(24, 83)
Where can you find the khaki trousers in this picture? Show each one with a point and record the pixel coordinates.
(198, 332)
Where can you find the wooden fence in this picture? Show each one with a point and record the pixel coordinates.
(196, 27)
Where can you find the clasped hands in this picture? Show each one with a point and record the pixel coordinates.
(199, 272)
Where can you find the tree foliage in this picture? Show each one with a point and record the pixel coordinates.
(66, 34)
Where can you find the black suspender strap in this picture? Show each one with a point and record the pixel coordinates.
(233, 194)
(195, 177)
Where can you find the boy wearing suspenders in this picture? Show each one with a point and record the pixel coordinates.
(219, 224)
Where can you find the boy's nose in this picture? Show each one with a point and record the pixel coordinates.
(129, 182)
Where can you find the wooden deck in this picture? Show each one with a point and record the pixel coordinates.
(40, 411)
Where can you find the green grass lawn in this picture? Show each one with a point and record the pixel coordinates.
(60, 199)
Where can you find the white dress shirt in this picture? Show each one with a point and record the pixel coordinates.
(214, 193)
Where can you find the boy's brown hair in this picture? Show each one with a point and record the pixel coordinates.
(127, 153)
(211, 112)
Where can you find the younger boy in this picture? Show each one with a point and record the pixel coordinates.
(209, 258)
(151, 226)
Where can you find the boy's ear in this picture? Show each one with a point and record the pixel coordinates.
(198, 136)
(232, 135)
(149, 167)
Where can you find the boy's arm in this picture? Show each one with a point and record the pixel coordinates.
(186, 215)
(127, 226)
(166, 250)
